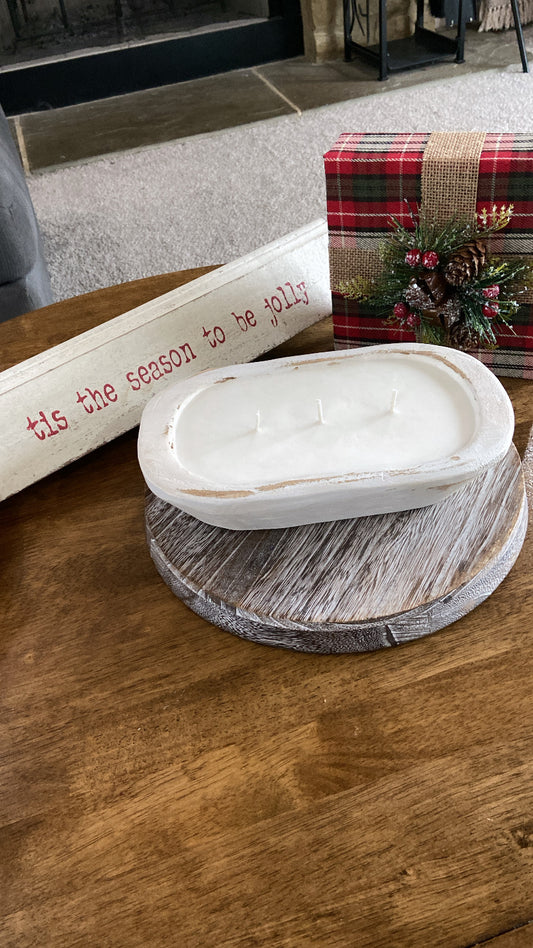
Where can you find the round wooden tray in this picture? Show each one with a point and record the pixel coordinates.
(348, 585)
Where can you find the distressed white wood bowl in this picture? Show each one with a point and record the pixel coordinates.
(293, 482)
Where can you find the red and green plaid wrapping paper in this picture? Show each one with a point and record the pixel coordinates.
(372, 177)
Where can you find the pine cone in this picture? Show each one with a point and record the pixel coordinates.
(430, 295)
(450, 312)
(463, 337)
(417, 295)
(436, 286)
(466, 263)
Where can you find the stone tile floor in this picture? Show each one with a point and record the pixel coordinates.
(81, 132)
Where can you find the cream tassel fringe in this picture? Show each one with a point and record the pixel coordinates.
(498, 15)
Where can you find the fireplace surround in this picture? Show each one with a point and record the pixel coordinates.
(53, 54)
(62, 53)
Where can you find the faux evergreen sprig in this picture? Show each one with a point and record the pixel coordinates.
(439, 280)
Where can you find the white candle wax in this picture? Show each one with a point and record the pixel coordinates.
(324, 437)
(365, 427)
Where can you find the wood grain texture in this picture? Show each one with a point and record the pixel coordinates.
(162, 783)
(516, 938)
(347, 585)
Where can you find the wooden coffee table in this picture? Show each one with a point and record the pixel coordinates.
(165, 783)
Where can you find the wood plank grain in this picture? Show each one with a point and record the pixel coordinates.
(517, 938)
(162, 783)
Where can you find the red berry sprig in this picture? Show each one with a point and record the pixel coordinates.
(491, 292)
(405, 317)
(430, 259)
(413, 257)
(400, 310)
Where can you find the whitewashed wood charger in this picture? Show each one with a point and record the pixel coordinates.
(350, 585)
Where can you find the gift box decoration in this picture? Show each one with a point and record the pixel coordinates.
(376, 179)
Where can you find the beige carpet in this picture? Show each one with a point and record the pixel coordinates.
(211, 198)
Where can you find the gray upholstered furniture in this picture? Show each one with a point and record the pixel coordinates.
(24, 278)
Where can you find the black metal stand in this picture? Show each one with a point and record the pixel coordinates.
(519, 35)
(422, 49)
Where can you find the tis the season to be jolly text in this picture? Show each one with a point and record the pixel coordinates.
(46, 424)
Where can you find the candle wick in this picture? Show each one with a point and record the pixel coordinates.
(320, 411)
(393, 406)
(258, 426)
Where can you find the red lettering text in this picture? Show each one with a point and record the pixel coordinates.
(94, 400)
(173, 359)
(244, 321)
(42, 427)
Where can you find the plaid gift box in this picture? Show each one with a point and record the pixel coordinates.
(371, 178)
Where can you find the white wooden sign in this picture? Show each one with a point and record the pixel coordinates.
(71, 399)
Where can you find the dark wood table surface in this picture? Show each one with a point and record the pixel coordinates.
(164, 783)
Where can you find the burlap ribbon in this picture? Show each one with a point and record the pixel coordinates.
(450, 170)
